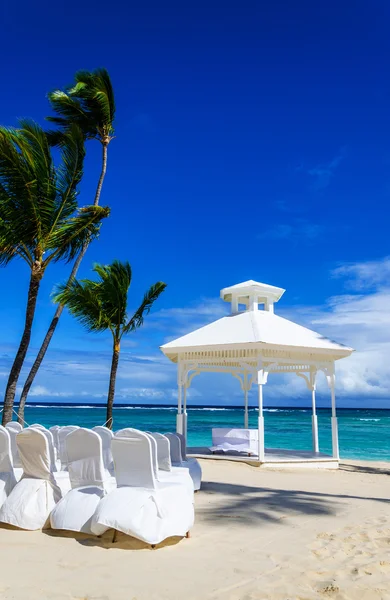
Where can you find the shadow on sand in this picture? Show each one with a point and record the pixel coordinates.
(111, 539)
(364, 469)
(251, 505)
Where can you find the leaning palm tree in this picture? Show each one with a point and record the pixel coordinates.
(40, 221)
(90, 104)
(101, 305)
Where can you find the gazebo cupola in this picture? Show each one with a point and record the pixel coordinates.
(251, 294)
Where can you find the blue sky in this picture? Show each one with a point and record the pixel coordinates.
(252, 142)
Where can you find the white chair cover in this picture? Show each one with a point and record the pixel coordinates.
(191, 463)
(14, 425)
(7, 476)
(54, 430)
(32, 499)
(172, 476)
(62, 433)
(106, 436)
(141, 506)
(88, 481)
(13, 429)
(163, 452)
(193, 466)
(50, 441)
(166, 471)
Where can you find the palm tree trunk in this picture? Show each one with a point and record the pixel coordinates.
(16, 368)
(102, 173)
(59, 309)
(111, 387)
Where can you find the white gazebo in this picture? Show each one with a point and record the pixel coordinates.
(251, 343)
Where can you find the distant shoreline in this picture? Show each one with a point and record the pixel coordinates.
(189, 407)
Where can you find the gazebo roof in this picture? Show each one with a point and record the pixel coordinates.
(255, 329)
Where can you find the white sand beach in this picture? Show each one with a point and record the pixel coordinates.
(259, 535)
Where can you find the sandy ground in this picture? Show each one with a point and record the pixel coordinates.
(259, 535)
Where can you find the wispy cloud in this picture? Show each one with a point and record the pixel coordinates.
(323, 173)
(299, 229)
(365, 275)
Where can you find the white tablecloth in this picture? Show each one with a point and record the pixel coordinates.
(240, 440)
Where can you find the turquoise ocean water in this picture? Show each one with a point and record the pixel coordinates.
(363, 433)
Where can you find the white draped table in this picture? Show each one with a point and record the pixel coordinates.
(239, 440)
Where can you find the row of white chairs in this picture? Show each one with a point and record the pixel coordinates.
(135, 482)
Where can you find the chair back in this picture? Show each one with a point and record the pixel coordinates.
(106, 436)
(54, 430)
(50, 441)
(6, 463)
(13, 432)
(175, 448)
(62, 433)
(163, 451)
(85, 458)
(7, 475)
(14, 425)
(133, 459)
(183, 445)
(34, 454)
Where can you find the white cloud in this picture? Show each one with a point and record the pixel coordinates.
(364, 275)
(39, 391)
(363, 322)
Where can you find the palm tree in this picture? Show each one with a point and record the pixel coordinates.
(40, 221)
(90, 104)
(102, 305)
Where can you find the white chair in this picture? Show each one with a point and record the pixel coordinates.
(165, 470)
(141, 506)
(177, 460)
(161, 456)
(7, 476)
(192, 464)
(32, 499)
(13, 429)
(88, 480)
(50, 440)
(106, 436)
(62, 433)
(54, 430)
(14, 425)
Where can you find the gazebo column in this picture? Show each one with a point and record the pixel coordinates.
(184, 414)
(246, 420)
(335, 435)
(179, 416)
(260, 381)
(314, 420)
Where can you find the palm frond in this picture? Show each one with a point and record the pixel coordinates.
(150, 297)
(102, 304)
(69, 173)
(115, 283)
(82, 301)
(68, 239)
(89, 103)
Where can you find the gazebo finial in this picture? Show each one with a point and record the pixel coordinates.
(251, 294)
